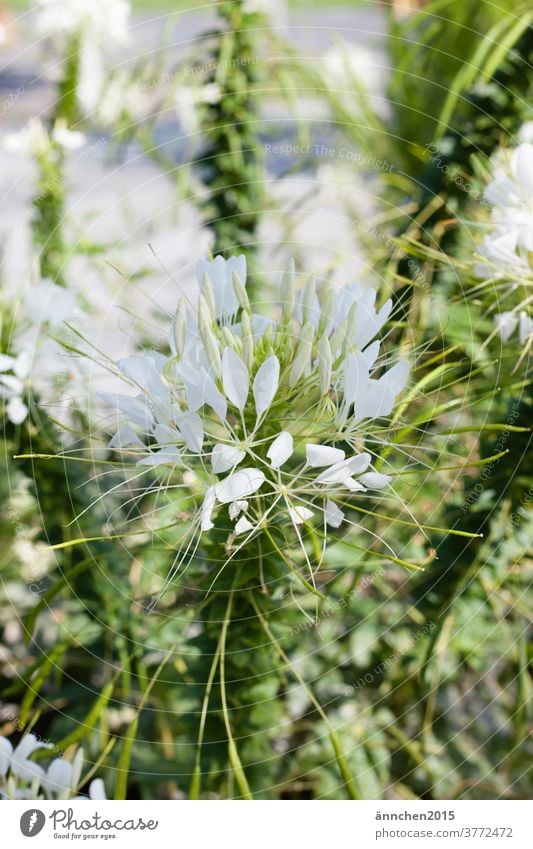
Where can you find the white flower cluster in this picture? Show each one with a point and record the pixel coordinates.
(22, 778)
(266, 415)
(98, 19)
(36, 362)
(92, 25)
(506, 250)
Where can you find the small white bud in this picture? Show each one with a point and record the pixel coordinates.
(240, 291)
(179, 328)
(247, 341)
(337, 338)
(308, 300)
(303, 354)
(324, 365)
(209, 295)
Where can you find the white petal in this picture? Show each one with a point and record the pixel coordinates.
(161, 458)
(333, 515)
(525, 328)
(235, 378)
(6, 750)
(299, 514)
(370, 354)
(237, 507)
(505, 324)
(6, 362)
(206, 510)
(16, 411)
(280, 450)
(323, 455)
(523, 167)
(29, 744)
(396, 377)
(266, 384)
(239, 485)
(58, 778)
(124, 437)
(191, 427)
(243, 526)
(225, 457)
(353, 485)
(97, 789)
(200, 389)
(135, 409)
(375, 480)
(355, 377)
(340, 471)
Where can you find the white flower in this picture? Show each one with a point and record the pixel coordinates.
(251, 421)
(59, 780)
(507, 322)
(505, 250)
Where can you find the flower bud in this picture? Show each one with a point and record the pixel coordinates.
(247, 341)
(231, 341)
(308, 300)
(240, 291)
(351, 326)
(209, 295)
(303, 355)
(209, 339)
(324, 365)
(327, 302)
(286, 294)
(337, 338)
(179, 328)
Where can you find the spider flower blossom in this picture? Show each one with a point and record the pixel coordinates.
(266, 417)
(506, 250)
(22, 778)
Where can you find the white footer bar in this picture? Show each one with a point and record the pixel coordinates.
(268, 825)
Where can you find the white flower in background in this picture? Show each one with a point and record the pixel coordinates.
(276, 10)
(89, 26)
(507, 322)
(23, 778)
(510, 192)
(507, 250)
(35, 139)
(269, 415)
(36, 363)
(349, 70)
